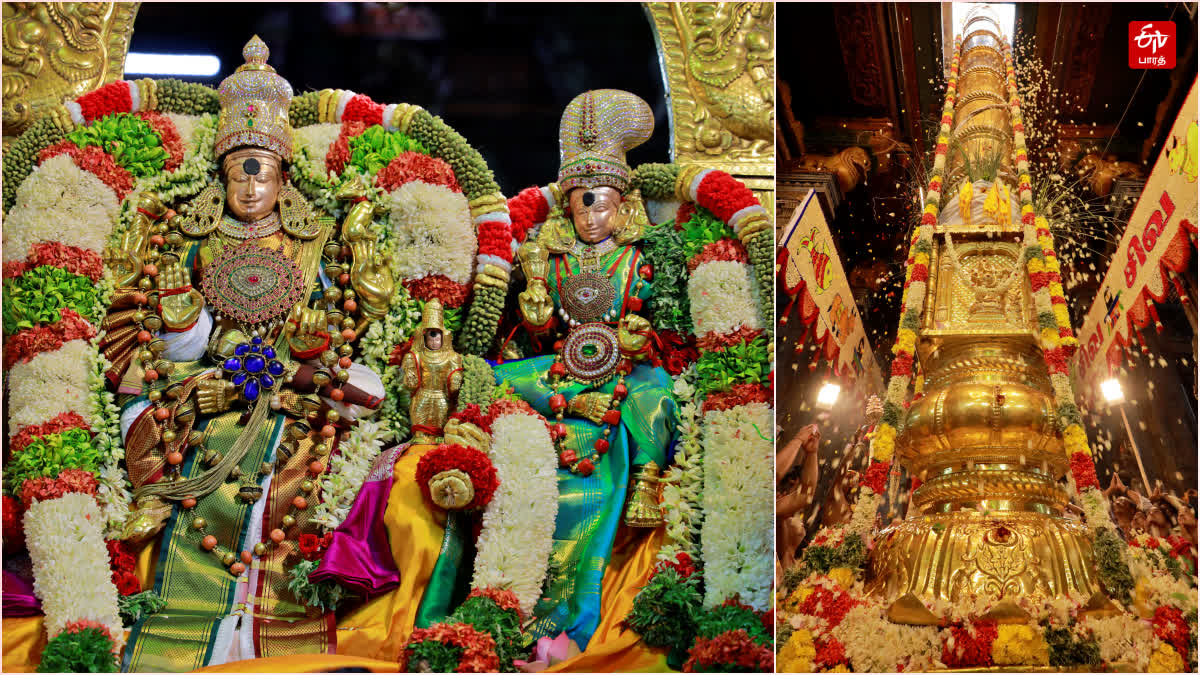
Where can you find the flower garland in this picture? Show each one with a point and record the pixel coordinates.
(738, 493)
(518, 525)
(348, 469)
(450, 648)
(431, 232)
(683, 481)
(389, 144)
(68, 553)
(40, 209)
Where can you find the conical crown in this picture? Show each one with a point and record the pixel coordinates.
(254, 106)
(597, 129)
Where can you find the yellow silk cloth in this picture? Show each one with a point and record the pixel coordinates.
(380, 628)
(24, 640)
(613, 649)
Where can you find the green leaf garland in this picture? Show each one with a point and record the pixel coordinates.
(376, 147)
(745, 362)
(85, 651)
(132, 142)
(470, 169)
(36, 296)
(504, 625)
(47, 456)
(664, 611)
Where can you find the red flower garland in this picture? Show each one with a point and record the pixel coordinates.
(122, 562)
(30, 342)
(57, 424)
(169, 136)
(716, 341)
(684, 214)
(505, 406)
(678, 351)
(1172, 628)
(472, 414)
(95, 161)
(1039, 280)
(876, 476)
(830, 653)
(76, 260)
(722, 249)
(1083, 470)
(526, 209)
(724, 195)
(495, 238)
(1056, 361)
(412, 165)
(739, 394)
(471, 461)
(902, 364)
(339, 152)
(360, 108)
(729, 650)
(438, 286)
(111, 98)
(70, 480)
(831, 605)
(479, 648)
(970, 651)
(504, 599)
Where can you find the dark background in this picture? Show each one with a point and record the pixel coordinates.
(498, 73)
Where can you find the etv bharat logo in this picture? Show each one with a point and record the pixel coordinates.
(1152, 44)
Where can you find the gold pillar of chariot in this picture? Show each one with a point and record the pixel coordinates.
(987, 521)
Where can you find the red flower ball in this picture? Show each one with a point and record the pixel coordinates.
(127, 584)
(1172, 628)
(470, 461)
(526, 209)
(964, 650)
(411, 166)
(111, 98)
(450, 293)
(724, 195)
(360, 108)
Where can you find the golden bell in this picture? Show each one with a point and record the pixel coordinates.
(289, 520)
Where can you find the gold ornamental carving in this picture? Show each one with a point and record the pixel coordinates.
(718, 61)
(60, 50)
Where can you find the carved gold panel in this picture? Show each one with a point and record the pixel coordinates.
(718, 62)
(58, 50)
(950, 557)
(956, 303)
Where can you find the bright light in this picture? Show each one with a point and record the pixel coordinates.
(828, 395)
(194, 65)
(1005, 13)
(1111, 389)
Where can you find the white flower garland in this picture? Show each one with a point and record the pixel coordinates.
(348, 470)
(52, 383)
(431, 232)
(862, 518)
(874, 644)
(737, 542)
(518, 524)
(683, 483)
(68, 553)
(724, 297)
(1123, 638)
(315, 140)
(59, 194)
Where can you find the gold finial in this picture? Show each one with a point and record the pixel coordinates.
(256, 54)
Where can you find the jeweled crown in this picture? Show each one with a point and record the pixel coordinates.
(597, 129)
(254, 106)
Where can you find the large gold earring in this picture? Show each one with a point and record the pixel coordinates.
(297, 216)
(631, 219)
(204, 212)
(558, 232)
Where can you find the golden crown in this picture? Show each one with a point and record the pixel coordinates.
(597, 129)
(254, 106)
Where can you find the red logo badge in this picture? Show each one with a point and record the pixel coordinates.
(1152, 44)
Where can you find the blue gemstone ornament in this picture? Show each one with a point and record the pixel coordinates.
(267, 381)
(232, 363)
(268, 352)
(239, 378)
(251, 391)
(256, 340)
(242, 350)
(255, 363)
(275, 368)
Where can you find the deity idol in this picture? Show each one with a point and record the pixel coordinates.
(614, 415)
(239, 388)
